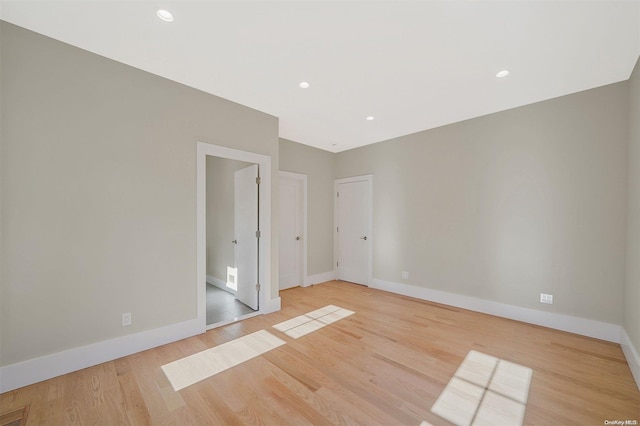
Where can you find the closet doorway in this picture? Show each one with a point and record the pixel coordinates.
(292, 239)
(353, 213)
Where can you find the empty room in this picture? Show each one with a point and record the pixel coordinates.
(319, 212)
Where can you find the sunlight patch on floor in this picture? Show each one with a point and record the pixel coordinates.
(312, 321)
(485, 390)
(192, 369)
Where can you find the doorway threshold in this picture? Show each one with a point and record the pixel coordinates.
(232, 320)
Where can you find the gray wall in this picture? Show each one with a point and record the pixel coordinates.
(632, 288)
(318, 166)
(509, 205)
(221, 214)
(97, 163)
(98, 193)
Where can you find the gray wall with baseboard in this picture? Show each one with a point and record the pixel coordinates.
(510, 205)
(98, 193)
(632, 288)
(98, 164)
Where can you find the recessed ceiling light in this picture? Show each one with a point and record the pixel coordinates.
(304, 84)
(502, 73)
(165, 15)
(370, 118)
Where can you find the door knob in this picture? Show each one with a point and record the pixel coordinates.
(235, 241)
(364, 238)
(297, 238)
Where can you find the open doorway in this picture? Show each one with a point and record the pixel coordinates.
(232, 242)
(233, 234)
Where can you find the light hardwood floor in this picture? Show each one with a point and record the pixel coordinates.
(386, 364)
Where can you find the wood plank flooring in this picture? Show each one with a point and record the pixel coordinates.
(386, 364)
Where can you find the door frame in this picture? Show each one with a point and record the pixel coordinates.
(303, 179)
(264, 205)
(336, 182)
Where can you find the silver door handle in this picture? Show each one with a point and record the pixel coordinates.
(364, 238)
(235, 241)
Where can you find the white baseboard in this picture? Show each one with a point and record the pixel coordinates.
(320, 278)
(633, 359)
(272, 305)
(49, 366)
(222, 285)
(38, 369)
(582, 326)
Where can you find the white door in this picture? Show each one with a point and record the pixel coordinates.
(246, 241)
(353, 229)
(290, 240)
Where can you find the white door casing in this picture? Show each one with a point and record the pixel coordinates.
(292, 236)
(246, 238)
(353, 229)
(267, 304)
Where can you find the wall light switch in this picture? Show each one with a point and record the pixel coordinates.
(126, 319)
(405, 275)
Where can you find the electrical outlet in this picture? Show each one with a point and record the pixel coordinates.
(546, 298)
(126, 319)
(405, 275)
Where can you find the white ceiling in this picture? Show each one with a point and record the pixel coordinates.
(413, 65)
